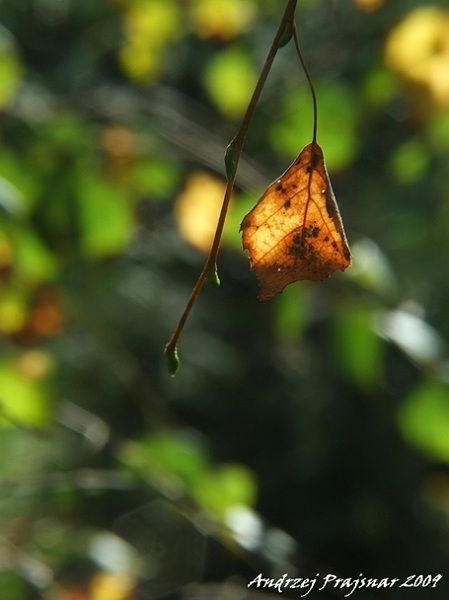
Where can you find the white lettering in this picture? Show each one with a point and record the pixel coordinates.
(356, 583)
(279, 582)
(258, 581)
(312, 585)
(327, 580)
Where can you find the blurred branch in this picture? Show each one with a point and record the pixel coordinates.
(33, 570)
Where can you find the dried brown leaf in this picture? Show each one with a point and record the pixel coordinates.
(295, 230)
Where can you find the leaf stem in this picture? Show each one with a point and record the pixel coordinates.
(309, 80)
(285, 30)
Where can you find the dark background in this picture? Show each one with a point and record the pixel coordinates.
(308, 434)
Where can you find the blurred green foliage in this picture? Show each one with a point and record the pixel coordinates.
(305, 434)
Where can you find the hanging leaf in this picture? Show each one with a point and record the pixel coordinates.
(295, 231)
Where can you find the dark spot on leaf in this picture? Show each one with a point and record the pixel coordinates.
(330, 204)
(311, 231)
(315, 159)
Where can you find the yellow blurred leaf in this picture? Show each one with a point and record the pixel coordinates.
(111, 586)
(418, 49)
(141, 62)
(24, 394)
(157, 20)
(34, 364)
(197, 208)
(223, 19)
(149, 27)
(13, 310)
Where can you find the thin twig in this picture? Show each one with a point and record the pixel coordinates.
(285, 29)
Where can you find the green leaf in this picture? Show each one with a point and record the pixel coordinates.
(10, 69)
(67, 131)
(24, 395)
(337, 120)
(19, 186)
(379, 86)
(410, 162)
(219, 490)
(105, 214)
(12, 585)
(33, 261)
(157, 177)
(290, 313)
(357, 348)
(166, 455)
(230, 79)
(424, 419)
